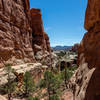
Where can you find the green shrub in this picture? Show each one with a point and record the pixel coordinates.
(33, 98)
(54, 97)
(51, 82)
(42, 83)
(68, 74)
(74, 68)
(28, 83)
(11, 85)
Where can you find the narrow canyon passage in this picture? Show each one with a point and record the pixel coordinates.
(31, 69)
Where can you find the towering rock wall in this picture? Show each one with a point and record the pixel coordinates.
(15, 30)
(40, 40)
(87, 83)
(39, 36)
(20, 29)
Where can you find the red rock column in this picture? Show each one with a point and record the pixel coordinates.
(89, 51)
(37, 29)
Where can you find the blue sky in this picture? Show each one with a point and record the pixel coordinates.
(63, 20)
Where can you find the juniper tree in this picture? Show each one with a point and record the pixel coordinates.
(51, 83)
(28, 83)
(54, 97)
(33, 98)
(66, 74)
(10, 87)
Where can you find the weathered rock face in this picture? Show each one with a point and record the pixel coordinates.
(75, 47)
(37, 27)
(39, 36)
(47, 42)
(20, 29)
(15, 30)
(40, 40)
(87, 83)
(92, 14)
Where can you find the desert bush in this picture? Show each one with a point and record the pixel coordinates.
(66, 74)
(11, 85)
(28, 83)
(51, 82)
(73, 68)
(54, 97)
(33, 98)
(42, 83)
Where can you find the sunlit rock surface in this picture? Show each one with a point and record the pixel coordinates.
(20, 29)
(87, 77)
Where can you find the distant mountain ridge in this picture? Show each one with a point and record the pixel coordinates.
(62, 47)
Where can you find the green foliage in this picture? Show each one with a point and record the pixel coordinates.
(42, 83)
(67, 73)
(33, 98)
(51, 82)
(48, 77)
(8, 69)
(73, 68)
(54, 97)
(11, 85)
(28, 83)
(55, 70)
(56, 81)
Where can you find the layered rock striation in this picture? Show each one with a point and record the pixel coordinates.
(87, 77)
(20, 29)
(40, 38)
